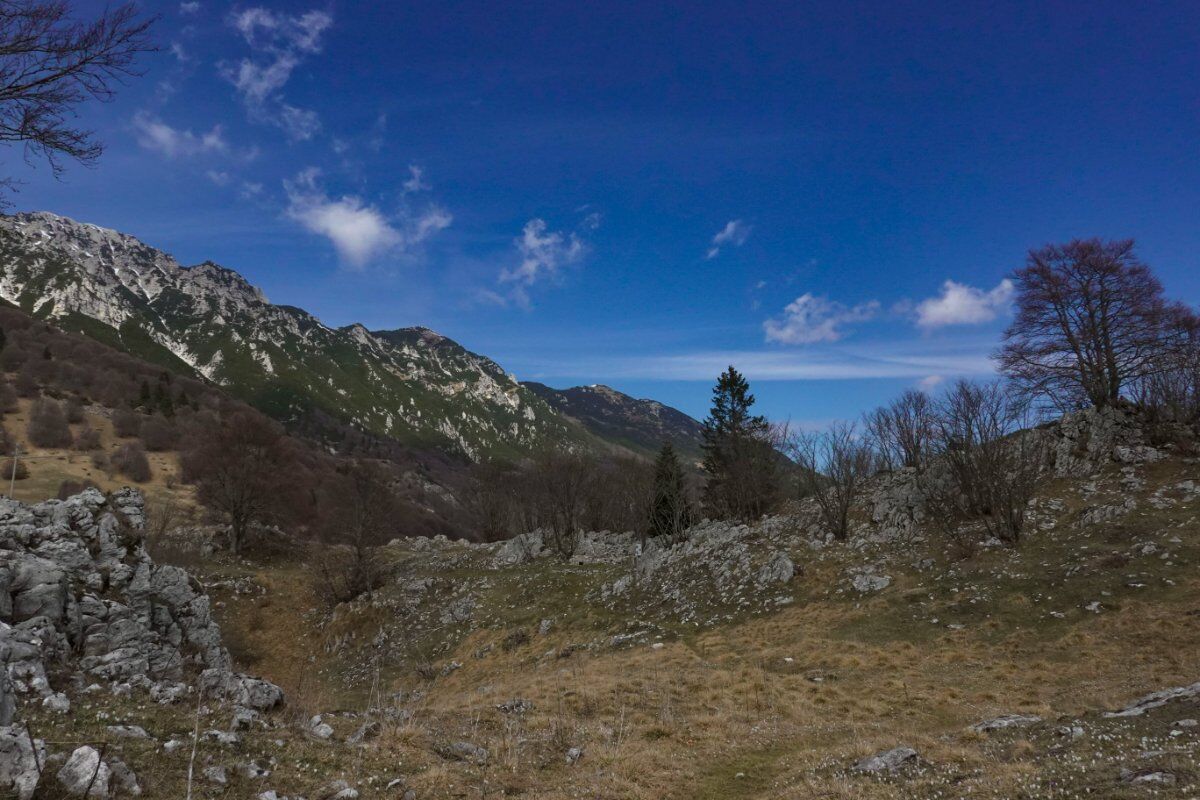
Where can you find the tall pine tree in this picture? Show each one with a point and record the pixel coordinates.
(670, 513)
(739, 460)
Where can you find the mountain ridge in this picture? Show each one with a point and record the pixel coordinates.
(411, 384)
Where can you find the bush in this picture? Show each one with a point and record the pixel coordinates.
(8, 397)
(159, 433)
(101, 461)
(126, 423)
(130, 460)
(26, 385)
(6, 470)
(48, 425)
(74, 410)
(12, 358)
(88, 438)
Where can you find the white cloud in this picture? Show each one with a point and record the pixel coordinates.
(359, 232)
(189, 8)
(930, 382)
(543, 252)
(179, 53)
(959, 304)
(735, 233)
(219, 178)
(415, 182)
(154, 134)
(810, 319)
(280, 42)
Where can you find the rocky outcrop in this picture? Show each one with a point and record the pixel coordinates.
(1084, 442)
(80, 597)
(719, 569)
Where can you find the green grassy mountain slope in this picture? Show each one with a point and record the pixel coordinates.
(411, 385)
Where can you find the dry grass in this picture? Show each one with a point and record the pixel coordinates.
(48, 468)
(771, 707)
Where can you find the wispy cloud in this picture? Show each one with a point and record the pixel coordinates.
(359, 232)
(735, 233)
(280, 43)
(154, 134)
(909, 363)
(959, 304)
(810, 319)
(543, 253)
(416, 180)
(189, 7)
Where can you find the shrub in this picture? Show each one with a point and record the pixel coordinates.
(87, 438)
(126, 423)
(6, 470)
(12, 358)
(74, 410)
(26, 385)
(48, 425)
(8, 397)
(130, 460)
(159, 433)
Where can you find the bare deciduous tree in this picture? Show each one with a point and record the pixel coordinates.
(1090, 321)
(901, 433)
(991, 459)
(48, 424)
(50, 63)
(363, 513)
(832, 466)
(240, 469)
(559, 482)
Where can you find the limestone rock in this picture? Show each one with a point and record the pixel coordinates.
(19, 760)
(1006, 721)
(887, 761)
(85, 774)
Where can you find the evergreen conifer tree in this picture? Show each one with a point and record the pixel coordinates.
(669, 511)
(739, 460)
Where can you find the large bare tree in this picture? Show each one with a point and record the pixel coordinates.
(1091, 321)
(50, 63)
(243, 469)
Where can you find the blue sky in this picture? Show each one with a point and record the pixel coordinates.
(827, 195)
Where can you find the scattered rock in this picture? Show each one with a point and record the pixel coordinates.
(466, 751)
(58, 702)
(367, 731)
(319, 728)
(128, 732)
(216, 775)
(338, 790)
(1006, 721)
(85, 774)
(887, 761)
(1155, 700)
(866, 580)
(19, 760)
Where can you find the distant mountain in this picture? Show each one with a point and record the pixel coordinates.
(639, 425)
(412, 384)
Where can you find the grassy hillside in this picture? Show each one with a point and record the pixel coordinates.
(778, 701)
